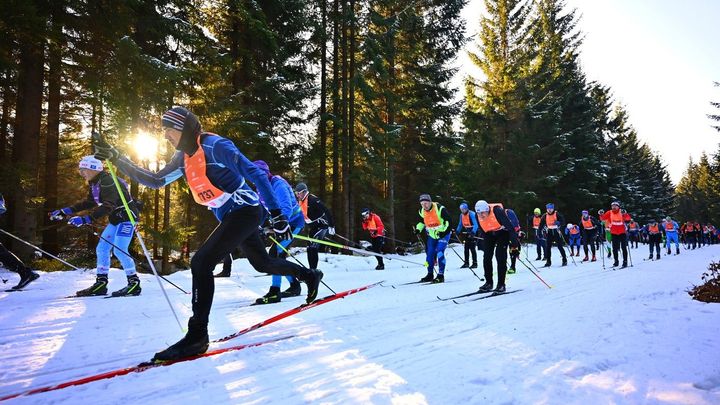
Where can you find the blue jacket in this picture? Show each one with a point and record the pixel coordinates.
(226, 168)
(473, 220)
(2, 205)
(287, 201)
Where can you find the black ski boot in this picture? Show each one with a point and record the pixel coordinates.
(657, 257)
(26, 278)
(473, 266)
(650, 257)
(133, 287)
(195, 342)
(313, 284)
(624, 265)
(616, 263)
(677, 251)
(271, 297)
(500, 289)
(439, 279)
(428, 278)
(564, 262)
(293, 291)
(99, 288)
(487, 287)
(223, 274)
(464, 266)
(380, 267)
(511, 271)
(547, 264)
(538, 258)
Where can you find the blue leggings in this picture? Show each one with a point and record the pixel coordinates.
(119, 235)
(436, 248)
(670, 238)
(277, 279)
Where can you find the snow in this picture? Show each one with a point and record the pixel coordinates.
(599, 336)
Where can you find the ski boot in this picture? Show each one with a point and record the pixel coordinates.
(99, 288)
(547, 264)
(464, 266)
(380, 267)
(511, 271)
(428, 278)
(499, 289)
(474, 265)
(26, 277)
(585, 258)
(193, 343)
(487, 287)
(677, 251)
(616, 263)
(624, 265)
(132, 288)
(293, 291)
(564, 262)
(538, 258)
(657, 257)
(440, 278)
(313, 285)
(224, 273)
(650, 257)
(594, 259)
(271, 297)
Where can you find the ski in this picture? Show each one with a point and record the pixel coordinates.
(118, 296)
(296, 310)
(461, 296)
(140, 368)
(495, 294)
(84, 296)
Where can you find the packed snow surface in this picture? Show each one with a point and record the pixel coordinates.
(599, 336)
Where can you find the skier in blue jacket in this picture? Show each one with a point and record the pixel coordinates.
(467, 228)
(216, 173)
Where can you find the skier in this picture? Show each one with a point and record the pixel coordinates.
(514, 250)
(671, 234)
(553, 221)
(435, 221)
(216, 173)
(654, 232)
(606, 236)
(573, 234)
(318, 221)
(497, 231)
(589, 233)
(633, 233)
(13, 263)
(372, 223)
(467, 228)
(616, 220)
(291, 209)
(539, 240)
(104, 200)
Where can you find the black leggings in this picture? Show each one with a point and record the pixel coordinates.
(314, 248)
(589, 237)
(620, 241)
(10, 261)
(237, 228)
(553, 235)
(497, 243)
(470, 248)
(377, 245)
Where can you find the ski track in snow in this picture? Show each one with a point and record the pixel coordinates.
(599, 336)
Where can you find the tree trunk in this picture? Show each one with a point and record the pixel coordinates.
(336, 109)
(50, 237)
(343, 105)
(390, 125)
(26, 143)
(7, 104)
(323, 102)
(351, 124)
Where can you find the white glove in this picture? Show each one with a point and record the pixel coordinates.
(331, 231)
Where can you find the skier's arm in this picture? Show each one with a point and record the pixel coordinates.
(445, 220)
(380, 225)
(459, 227)
(168, 174)
(109, 198)
(85, 204)
(473, 219)
(505, 221)
(2, 205)
(226, 153)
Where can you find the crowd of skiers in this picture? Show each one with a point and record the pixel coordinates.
(217, 174)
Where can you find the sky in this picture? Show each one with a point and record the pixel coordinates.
(660, 61)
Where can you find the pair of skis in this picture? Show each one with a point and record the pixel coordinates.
(458, 299)
(153, 364)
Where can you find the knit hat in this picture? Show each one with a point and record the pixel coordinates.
(537, 211)
(482, 206)
(425, 197)
(262, 166)
(365, 212)
(550, 206)
(463, 206)
(181, 119)
(569, 226)
(615, 203)
(175, 118)
(89, 162)
(301, 187)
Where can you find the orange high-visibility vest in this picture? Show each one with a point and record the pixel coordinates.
(202, 189)
(490, 223)
(431, 219)
(467, 223)
(550, 220)
(653, 229)
(587, 223)
(536, 222)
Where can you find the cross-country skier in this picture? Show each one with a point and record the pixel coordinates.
(13, 263)
(104, 200)
(671, 234)
(216, 173)
(616, 220)
(318, 221)
(573, 233)
(654, 232)
(589, 226)
(633, 230)
(498, 232)
(467, 229)
(435, 221)
(372, 223)
(539, 239)
(553, 222)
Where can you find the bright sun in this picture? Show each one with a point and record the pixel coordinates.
(146, 146)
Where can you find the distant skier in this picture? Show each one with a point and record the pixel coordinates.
(372, 223)
(553, 221)
(538, 233)
(671, 234)
(633, 230)
(616, 220)
(467, 229)
(13, 263)
(318, 221)
(514, 251)
(104, 200)
(589, 226)
(435, 222)
(498, 232)
(606, 236)
(654, 232)
(573, 233)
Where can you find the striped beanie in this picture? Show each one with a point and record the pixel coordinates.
(175, 118)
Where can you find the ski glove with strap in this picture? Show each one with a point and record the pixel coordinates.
(280, 225)
(80, 221)
(105, 151)
(58, 215)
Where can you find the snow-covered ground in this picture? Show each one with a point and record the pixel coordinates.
(599, 336)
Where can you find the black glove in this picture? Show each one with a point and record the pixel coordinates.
(416, 231)
(103, 150)
(515, 244)
(280, 225)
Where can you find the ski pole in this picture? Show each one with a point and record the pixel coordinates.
(118, 249)
(352, 249)
(294, 258)
(348, 240)
(531, 270)
(602, 254)
(130, 215)
(38, 249)
(630, 256)
(398, 240)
